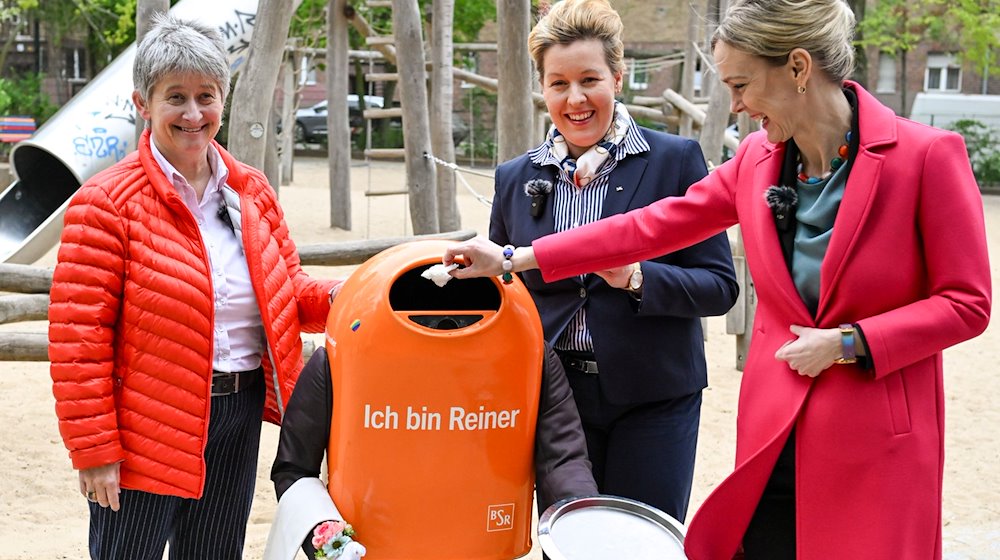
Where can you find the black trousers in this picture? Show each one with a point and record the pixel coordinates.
(213, 526)
(771, 533)
(643, 451)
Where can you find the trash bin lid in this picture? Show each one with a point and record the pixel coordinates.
(604, 526)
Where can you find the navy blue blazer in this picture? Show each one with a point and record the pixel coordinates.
(648, 350)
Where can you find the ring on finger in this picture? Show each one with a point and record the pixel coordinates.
(92, 496)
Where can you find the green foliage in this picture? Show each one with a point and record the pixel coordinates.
(983, 144)
(972, 25)
(23, 96)
(897, 26)
(481, 107)
(470, 17)
(309, 22)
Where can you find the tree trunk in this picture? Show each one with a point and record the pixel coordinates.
(420, 172)
(288, 104)
(713, 129)
(272, 165)
(441, 110)
(685, 128)
(338, 135)
(144, 12)
(860, 55)
(514, 109)
(905, 90)
(253, 96)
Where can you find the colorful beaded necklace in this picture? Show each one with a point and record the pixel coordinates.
(835, 163)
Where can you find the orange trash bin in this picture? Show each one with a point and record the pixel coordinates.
(434, 411)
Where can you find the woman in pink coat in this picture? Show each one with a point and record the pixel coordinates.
(864, 233)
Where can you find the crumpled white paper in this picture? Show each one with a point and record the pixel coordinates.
(439, 273)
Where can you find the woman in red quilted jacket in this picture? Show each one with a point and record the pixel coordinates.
(176, 309)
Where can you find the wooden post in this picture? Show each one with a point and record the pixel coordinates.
(740, 319)
(338, 135)
(442, 90)
(253, 95)
(514, 110)
(713, 130)
(687, 78)
(420, 172)
(288, 104)
(272, 165)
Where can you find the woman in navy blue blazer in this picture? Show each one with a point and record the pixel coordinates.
(630, 338)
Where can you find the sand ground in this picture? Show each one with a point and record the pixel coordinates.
(42, 514)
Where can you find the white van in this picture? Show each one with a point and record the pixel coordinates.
(942, 109)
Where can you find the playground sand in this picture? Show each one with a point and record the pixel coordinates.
(43, 515)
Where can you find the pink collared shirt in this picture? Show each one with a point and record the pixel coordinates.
(239, 332)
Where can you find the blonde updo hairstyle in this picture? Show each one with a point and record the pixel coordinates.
(575, 20)
(771, 29)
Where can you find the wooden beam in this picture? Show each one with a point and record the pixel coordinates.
(24, 347)
(17, 308)
(357, 252)
(25, 279)
(489, 47)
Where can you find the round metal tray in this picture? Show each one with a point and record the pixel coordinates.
(603, 527)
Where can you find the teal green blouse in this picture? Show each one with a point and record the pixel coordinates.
(816, 212)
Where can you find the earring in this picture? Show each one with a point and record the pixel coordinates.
(802, 89)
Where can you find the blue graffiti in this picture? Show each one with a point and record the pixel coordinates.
(100, 145)
(234, 30)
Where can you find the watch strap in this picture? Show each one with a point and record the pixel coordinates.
(848, 352)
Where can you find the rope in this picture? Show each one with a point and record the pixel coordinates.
(458, 173)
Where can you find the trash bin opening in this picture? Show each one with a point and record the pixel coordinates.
(457, 304)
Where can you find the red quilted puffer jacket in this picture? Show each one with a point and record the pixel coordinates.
(131, 317)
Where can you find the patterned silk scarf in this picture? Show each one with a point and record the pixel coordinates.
(583, 169)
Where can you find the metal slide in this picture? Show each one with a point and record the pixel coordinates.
(90, 133)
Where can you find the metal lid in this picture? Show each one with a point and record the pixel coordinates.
(603, 527)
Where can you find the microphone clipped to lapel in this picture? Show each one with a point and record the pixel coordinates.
(538, 190)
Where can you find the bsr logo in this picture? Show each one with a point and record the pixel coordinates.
(501, 517)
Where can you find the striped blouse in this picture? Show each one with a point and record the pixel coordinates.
(574, 207)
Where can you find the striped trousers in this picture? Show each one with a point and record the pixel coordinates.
(213, 526)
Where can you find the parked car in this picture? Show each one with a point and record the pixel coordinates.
(310, 123)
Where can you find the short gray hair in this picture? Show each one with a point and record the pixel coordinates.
(773, 28)
(173, 46)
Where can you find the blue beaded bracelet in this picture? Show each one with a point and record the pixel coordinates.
(508, 266)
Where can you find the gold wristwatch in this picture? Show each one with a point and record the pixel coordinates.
(635, 279)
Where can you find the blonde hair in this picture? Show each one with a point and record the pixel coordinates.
(574, 20)
(773, 28)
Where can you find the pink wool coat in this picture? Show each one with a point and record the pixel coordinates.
(907, 261)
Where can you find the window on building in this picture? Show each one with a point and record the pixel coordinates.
(943, 73)
(307, 72)
(886, 73)
(638, 75)
(74, 64)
